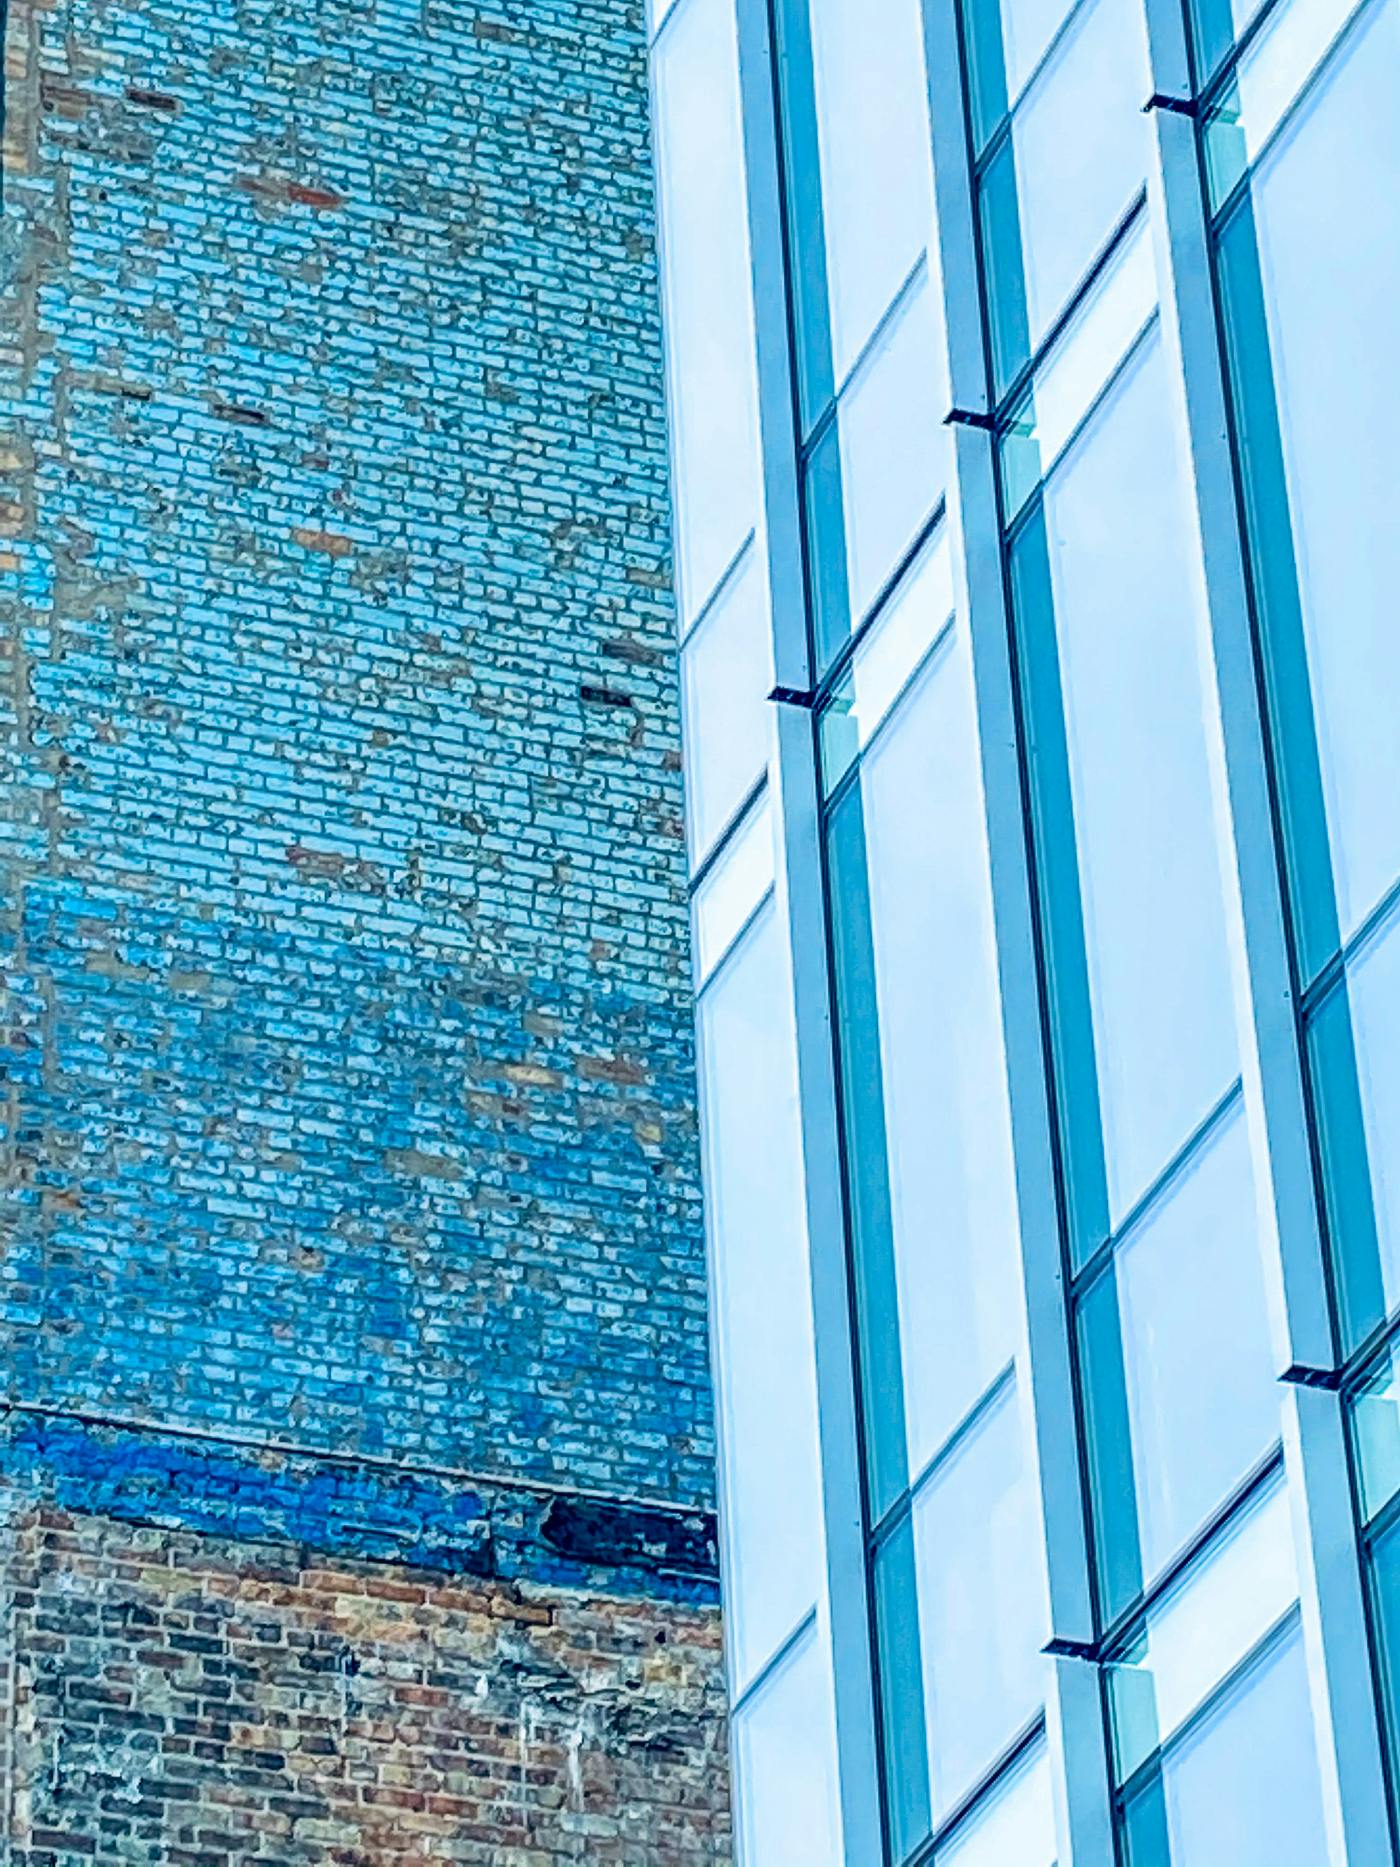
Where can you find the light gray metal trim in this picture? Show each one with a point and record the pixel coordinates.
(801, 888)
(1075, 1714)
(1334, 1620)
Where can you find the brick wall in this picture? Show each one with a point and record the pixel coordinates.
(342, 921)
(354, 1415)
(182, 1701)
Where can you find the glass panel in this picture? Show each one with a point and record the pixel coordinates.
(1097, 338)
(1015, 1827)
(982, 1603)
(1272, 72)
(1242, 1786)
(1220, 1610)
(1178, 1365)
(1155, 892)
(1384, 1579)
(741, 876)
(876, 169)
(726, 677)
(761, 1312)
(1355, 1049)
(928, 1131)
(878, 472)
(706, 293)
(911, 621)
(1375, 1425)
(1333, 430)
(789, 1814)
(902, 1711)
(1081, 151)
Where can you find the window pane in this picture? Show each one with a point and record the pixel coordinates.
(982, 1603)
(879, 470)
(929, 1149)
(706, 293)
(1081, 146)
(1336, 438)
(1156, 896)
(1384, 1579)
(726, 677)
(738, 879)
(1177, 1361)
(1015, 1827)
(876, 169)
(1355, 1047)
(1224, 1606)
(761, 1301)
(1242, 1787)
(785, 1760)
(1375, 1423)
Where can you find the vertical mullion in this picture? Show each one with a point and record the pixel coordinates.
(801, 894)
(1333, 1608)
(1075, 1708)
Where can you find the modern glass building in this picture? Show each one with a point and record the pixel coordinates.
(1038, 578)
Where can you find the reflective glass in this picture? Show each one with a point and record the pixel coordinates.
(982, 1603)
(706, 293)
(1375, 1426)
(1014, 1827)
(1080, 146)
(761, 1308)
(1355, 1048)
(1327, 541)
(878, 471)
(1155, 892)
(1241, 1786)
(911, 621)
(738, 879)
(726, 677)
(1226, 1604)
(785, 1764)
(928, 1131)
(874, 153)
(1181, 1395)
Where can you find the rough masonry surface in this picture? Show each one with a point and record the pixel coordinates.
(348, 1090)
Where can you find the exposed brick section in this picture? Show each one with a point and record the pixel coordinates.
(184, 1702)
(342, 929)
(450, 1523)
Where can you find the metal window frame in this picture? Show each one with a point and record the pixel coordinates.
(1329, 1561)
(1075, 1718)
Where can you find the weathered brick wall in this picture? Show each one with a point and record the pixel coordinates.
(187, 1702)
(346, 1038)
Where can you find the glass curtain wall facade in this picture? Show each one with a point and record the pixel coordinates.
(1035, 580)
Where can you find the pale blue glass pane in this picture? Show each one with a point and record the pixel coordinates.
(947, 1128)
(1027, 28)
(1243, 1788)
(1202, 1397)
(1324, 207)
(785, 1756)
(1375, 1425)
(982, 1602)
(1013, 1827)
(1156, 886)
(726, 677)
(1082, 146)
(706, 293)
(761, 1312)
(1373, 991)
(874, 147)
(894, 446)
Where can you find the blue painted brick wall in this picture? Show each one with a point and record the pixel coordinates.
(348, 1097)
